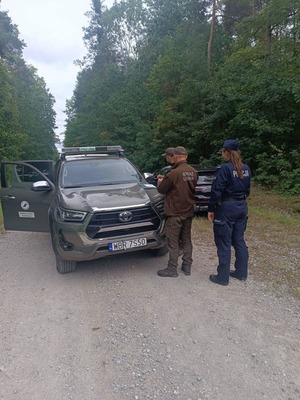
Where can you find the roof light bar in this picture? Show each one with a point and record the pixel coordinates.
(71, 151)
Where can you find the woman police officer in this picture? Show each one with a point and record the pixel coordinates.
(228, 211)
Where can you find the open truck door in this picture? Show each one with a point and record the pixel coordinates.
(26, 193)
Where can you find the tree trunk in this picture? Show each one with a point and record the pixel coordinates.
(212, 34)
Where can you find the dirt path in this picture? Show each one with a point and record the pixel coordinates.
(115, 330)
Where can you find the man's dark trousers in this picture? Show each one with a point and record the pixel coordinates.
(178, 232)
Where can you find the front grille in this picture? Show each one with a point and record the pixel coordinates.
(106, 224)
(160, 206)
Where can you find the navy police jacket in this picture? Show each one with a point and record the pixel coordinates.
(228, 186)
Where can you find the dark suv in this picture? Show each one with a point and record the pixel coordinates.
(203, 185)
(94, 202)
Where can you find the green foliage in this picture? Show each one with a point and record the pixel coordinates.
(145, 83)
(275, 170)
(11, 139)
(10, 44)
(27, 118)
(35, 105)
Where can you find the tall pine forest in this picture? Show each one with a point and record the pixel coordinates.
(161, 73)
(27, 117)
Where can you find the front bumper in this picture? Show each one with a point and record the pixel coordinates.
(201, 205)
(70, 242)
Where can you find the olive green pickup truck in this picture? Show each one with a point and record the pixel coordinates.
(94, 202)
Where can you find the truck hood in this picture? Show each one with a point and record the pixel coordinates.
(108, 197)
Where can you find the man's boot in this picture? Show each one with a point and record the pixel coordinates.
(186, 269)
(168, 272)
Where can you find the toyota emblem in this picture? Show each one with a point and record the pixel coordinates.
(125, 216)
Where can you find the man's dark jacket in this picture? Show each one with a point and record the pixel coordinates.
(179, 186)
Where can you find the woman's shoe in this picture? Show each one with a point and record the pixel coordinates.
(216, 279)
(233, 274)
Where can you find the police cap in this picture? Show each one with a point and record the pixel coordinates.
(231, 144)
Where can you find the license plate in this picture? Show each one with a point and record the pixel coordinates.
(127, 244)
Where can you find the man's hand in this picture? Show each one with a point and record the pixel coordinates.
(159, 179)
(211, 216)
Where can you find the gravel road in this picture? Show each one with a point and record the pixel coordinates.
(114, 330)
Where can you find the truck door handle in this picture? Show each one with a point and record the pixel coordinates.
(8, 197)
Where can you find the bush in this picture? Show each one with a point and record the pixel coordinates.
(279, 170)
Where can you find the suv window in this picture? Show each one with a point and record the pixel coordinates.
(93, 172)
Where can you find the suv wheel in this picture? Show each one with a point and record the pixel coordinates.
(161, 251)
(64, 267)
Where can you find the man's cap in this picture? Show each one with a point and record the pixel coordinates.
(169, 152)
(231, 144)
(180, 151)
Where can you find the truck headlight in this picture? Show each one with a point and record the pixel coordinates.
(160, 206)
(70, 215)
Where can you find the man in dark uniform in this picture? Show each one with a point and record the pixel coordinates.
(178, 186)
(228, 211)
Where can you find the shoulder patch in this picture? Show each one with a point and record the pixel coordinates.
(188, 176)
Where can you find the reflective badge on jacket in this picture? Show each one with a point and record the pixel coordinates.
(188, 176)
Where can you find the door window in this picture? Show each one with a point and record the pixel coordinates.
(21, 176)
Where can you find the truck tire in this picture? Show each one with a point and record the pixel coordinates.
(161, 251)
(64, 266)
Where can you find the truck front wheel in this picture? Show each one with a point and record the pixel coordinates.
(64, 266)
(161, 251)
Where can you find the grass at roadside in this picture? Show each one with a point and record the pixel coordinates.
(273, 238)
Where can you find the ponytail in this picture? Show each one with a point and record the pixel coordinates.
(235, 159)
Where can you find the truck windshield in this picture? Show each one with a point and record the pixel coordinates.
(94, 172)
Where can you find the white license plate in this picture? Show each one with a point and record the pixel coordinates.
(127, 244)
